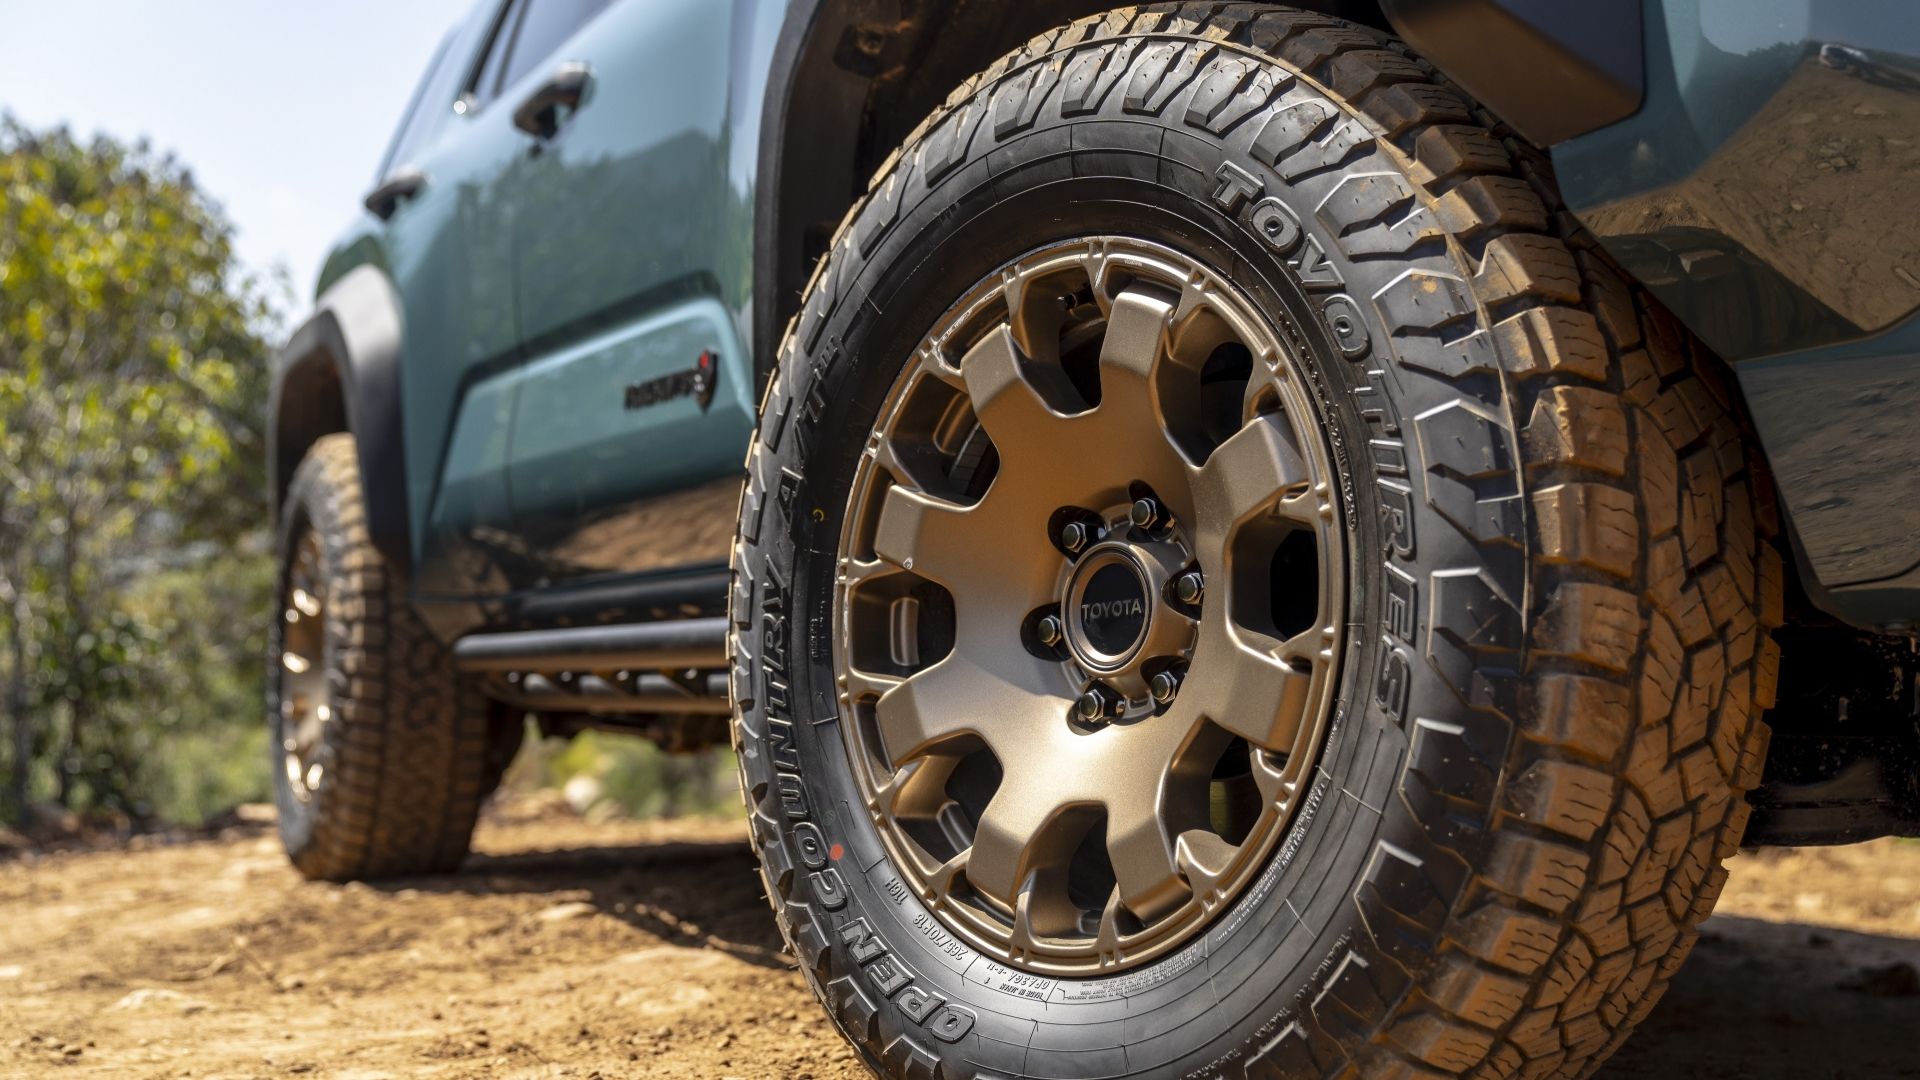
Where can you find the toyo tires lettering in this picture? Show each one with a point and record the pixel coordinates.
(1271, 220)
(1239, 192)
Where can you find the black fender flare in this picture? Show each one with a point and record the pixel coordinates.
(340, 371)
(772, 206)
(1551, 69)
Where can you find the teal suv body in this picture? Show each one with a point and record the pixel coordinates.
(1228, 539)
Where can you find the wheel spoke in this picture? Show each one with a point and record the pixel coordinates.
(939, 883)
(999, 698)
(889, 458)
(1107, 939)
(1256, 686)
(1131, 356)
(1312, 647)
(1197, 326)
(1255, 470)
(859, 683)
(1034, 316)
(992, 555)
(918, 790)
(1272, 780)
(1021, 830)
(1129, 433)
(1044, 909)
(937, 539)
(1245, 685)
(1010, 396)
(857, 572)
(1204, 858)
(1142, 853)
(922, 711)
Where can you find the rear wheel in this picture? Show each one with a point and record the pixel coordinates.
(379, 748)
(1230, 583)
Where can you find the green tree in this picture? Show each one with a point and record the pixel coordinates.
(132, 371)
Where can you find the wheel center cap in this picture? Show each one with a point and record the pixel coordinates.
(1108, 609)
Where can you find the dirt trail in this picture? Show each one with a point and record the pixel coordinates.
(644, 950)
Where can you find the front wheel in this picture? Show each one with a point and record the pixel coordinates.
(1229, 585)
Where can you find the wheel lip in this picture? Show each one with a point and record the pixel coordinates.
(1294, 378)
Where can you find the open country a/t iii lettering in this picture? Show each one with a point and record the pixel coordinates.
(1268, 532)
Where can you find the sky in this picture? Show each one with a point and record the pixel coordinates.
(281, 110)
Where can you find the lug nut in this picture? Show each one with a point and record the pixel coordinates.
(1075, 535)
(1189, 587)
(1165, 685)
(1098, 703)
(1049, 630)
(1147, 513)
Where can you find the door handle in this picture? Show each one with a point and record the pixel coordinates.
(539, 114)
(400, 184)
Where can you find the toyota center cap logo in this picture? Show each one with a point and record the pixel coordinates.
(1113, 609)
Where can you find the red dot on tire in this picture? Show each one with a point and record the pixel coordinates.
(836, 852)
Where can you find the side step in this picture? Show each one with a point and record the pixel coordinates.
(672, 667)
(678, 643)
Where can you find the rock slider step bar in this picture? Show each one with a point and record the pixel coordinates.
(675, 643)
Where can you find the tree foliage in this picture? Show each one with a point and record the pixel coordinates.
(132, 375)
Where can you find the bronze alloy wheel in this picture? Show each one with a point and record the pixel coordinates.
(306, 704)
(1089, 606)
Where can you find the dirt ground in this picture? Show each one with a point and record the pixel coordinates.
(569, 949)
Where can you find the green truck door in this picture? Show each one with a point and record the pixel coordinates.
(448, 249)
(631, 276)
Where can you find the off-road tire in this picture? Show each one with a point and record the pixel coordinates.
(408, 742)
(1562, 589)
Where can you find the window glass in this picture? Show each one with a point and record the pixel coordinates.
(424, 111)
(546, 25)
(486, 78)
